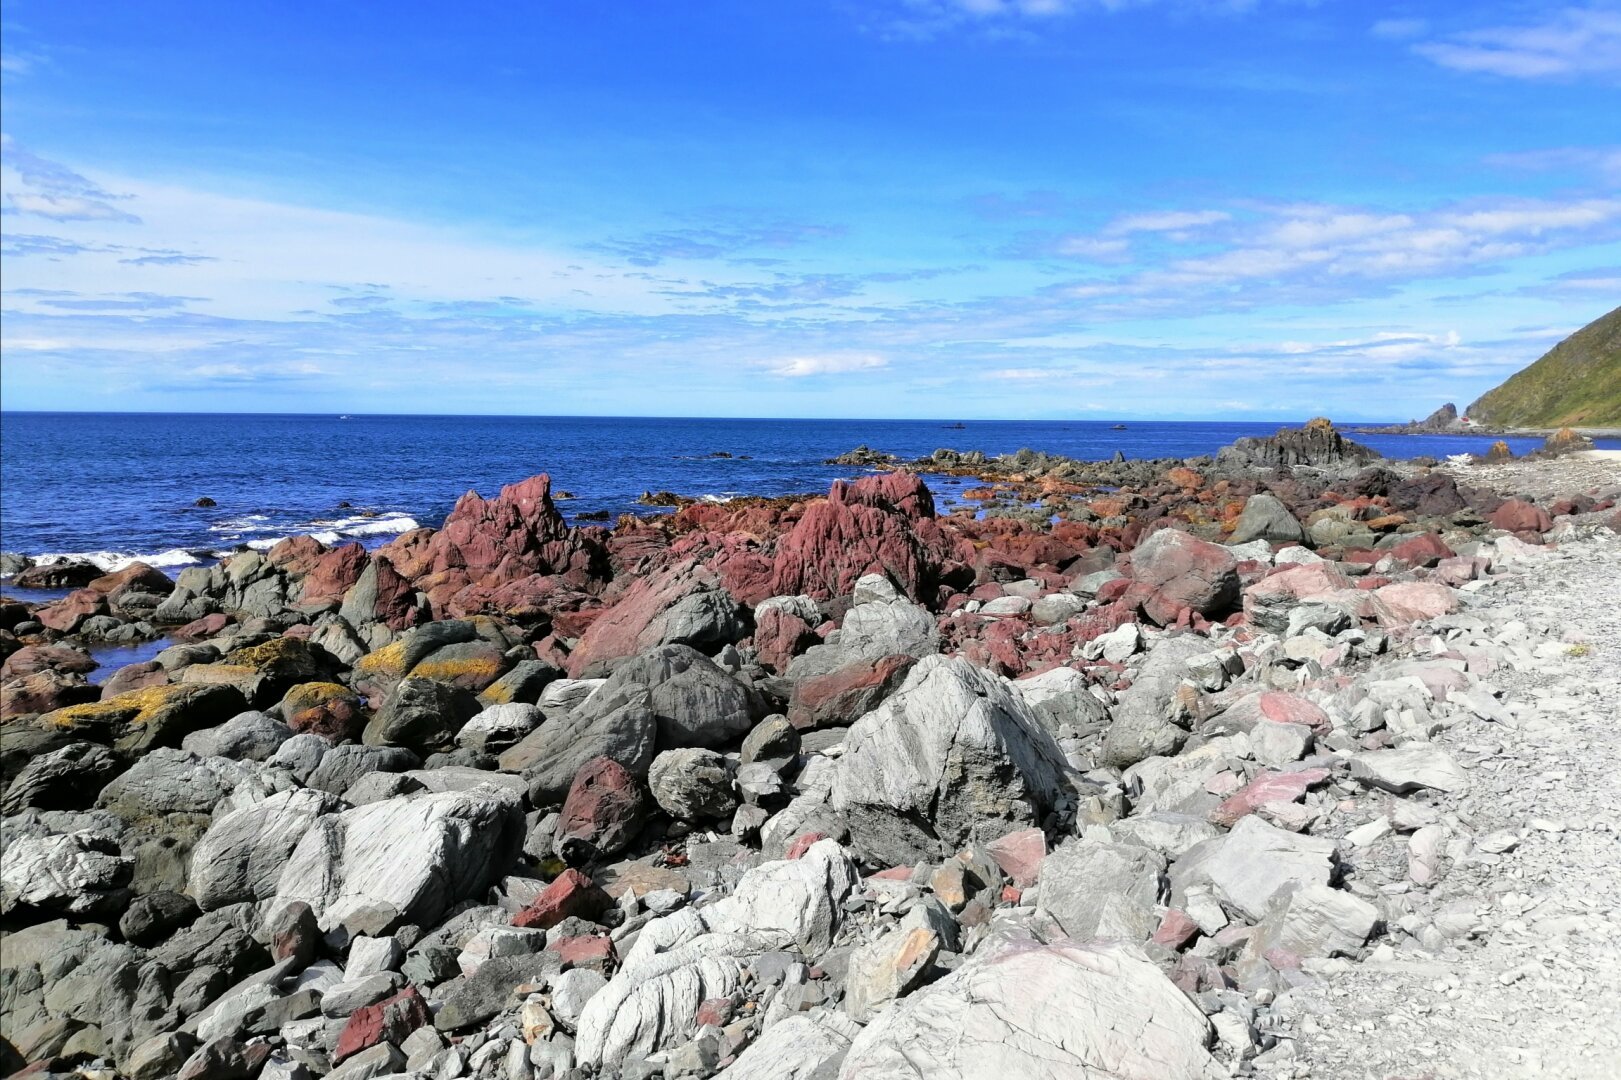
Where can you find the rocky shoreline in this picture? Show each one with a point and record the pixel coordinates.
(1114, 779)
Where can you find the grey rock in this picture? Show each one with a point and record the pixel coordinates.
(692, 783)
(64, 779)
(1314, 920)
(155, 916)
(695, 702)
(954, 757)
(570, 993)
(806, 1046)
(773, 739)
(242, 855)
(406, 860)
(300, 755)
(249, 736)
(792, 902)
(618, 724)
(76, 873)
(499, 727)
(886, 969)
(1266, 518)
(1145, 723)
(1409, 768)
(341, 999)
(1062, 701)
(490, 989)
(168, 781)
(1102, 890)
(1251, 863)
(341, 766)
(422, 715)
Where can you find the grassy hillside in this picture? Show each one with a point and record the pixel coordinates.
(1578, 383)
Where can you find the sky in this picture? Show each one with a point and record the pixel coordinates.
(1045, 209)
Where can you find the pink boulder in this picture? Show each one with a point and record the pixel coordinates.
(1424, 550)
(1265, 790)
(1186, 574)
(779, 636)
(390, 1021)
(1019, 855)
(70, 612)
(846, 694)
(570, 895)
(1519, 516)
(602, 813)
(1413, 601)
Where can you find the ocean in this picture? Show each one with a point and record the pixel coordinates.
(115, 487)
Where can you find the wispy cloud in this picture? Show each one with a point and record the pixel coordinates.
(1166, 221)
(1605, 161)
(44, 188)
(799, 367)
(1569, 43)
(130, 301)
(652, 249)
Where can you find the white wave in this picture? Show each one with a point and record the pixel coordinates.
(1460, 459)
(245, 523)
(392, 523)
(327, 537)
(117, 560)
(716, 498)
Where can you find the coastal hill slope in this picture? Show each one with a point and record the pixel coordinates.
(1576, 383)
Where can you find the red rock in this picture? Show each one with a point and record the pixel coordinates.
(43, 692)
(338, 719)
(32, 658)
(517, 533)
(604, 810)
(1459, 570)
(880, 524)
(396, 603)
(1266, 789)
(1011, 894)
(1176, 929)
(846, 694)
(134, 677)
(1282, 707)
(137, 576)
(1519, 516)
(1424, 550)
(1184, 572)
(715, 1012)
(636, 622)
(390, 1020)
(205, 627)
(296, 555)
(333, 573)
(584, 950)
(68, 613)
(570, 895)
(1019, 855)
(802, 843)
(895, 873)
(1301, 582)
(779, 636)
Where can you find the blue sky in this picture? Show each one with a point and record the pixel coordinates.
(889, 208)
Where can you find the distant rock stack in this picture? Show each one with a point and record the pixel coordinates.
(1499, 452)
(1442, 419)
(1316, 444)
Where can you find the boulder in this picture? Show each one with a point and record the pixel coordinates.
(249, 736)
(1248, 865)
(1185, 573)
(802, 1046)
(1265, 517)
(882, 971)
(792, 903)
(1062, 700)
(1405, 769)
(694, 701)
(693, 783)
(332, 574)
(880, 524)
(955, 757)
(169, 781)
(1095, 889)
(242, 855)
(422, 715)
(1519, 516)
(499, 727)
(1146, 722)
(65, 779)
(77, 874)
(381, 594)
(603, 812)
(995, 1017)
(338, 767)
(401, 861)
(140, 720)
(684, 605)
(617, 724)
(846, 693)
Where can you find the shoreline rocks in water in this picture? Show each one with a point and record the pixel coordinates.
(826, 786)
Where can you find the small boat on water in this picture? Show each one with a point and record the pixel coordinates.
(1118, 427)
(958, 426)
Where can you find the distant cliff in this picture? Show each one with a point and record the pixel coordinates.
(1578, 383)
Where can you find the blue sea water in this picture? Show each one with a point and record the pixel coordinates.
(123, 485)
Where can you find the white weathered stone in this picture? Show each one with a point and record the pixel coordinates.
(796, 1048)
(242, 855)
(792, 903)
(1250, 864)
(884, 970)
(1408, 768)
(1040, 1012)
(1101, 890)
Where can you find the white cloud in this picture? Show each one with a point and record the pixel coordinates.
(1603, 160)
(1089, 247)
(799, 367)
(1573, 42)
(1166, 221)
(1399, 29)
(66, 207)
